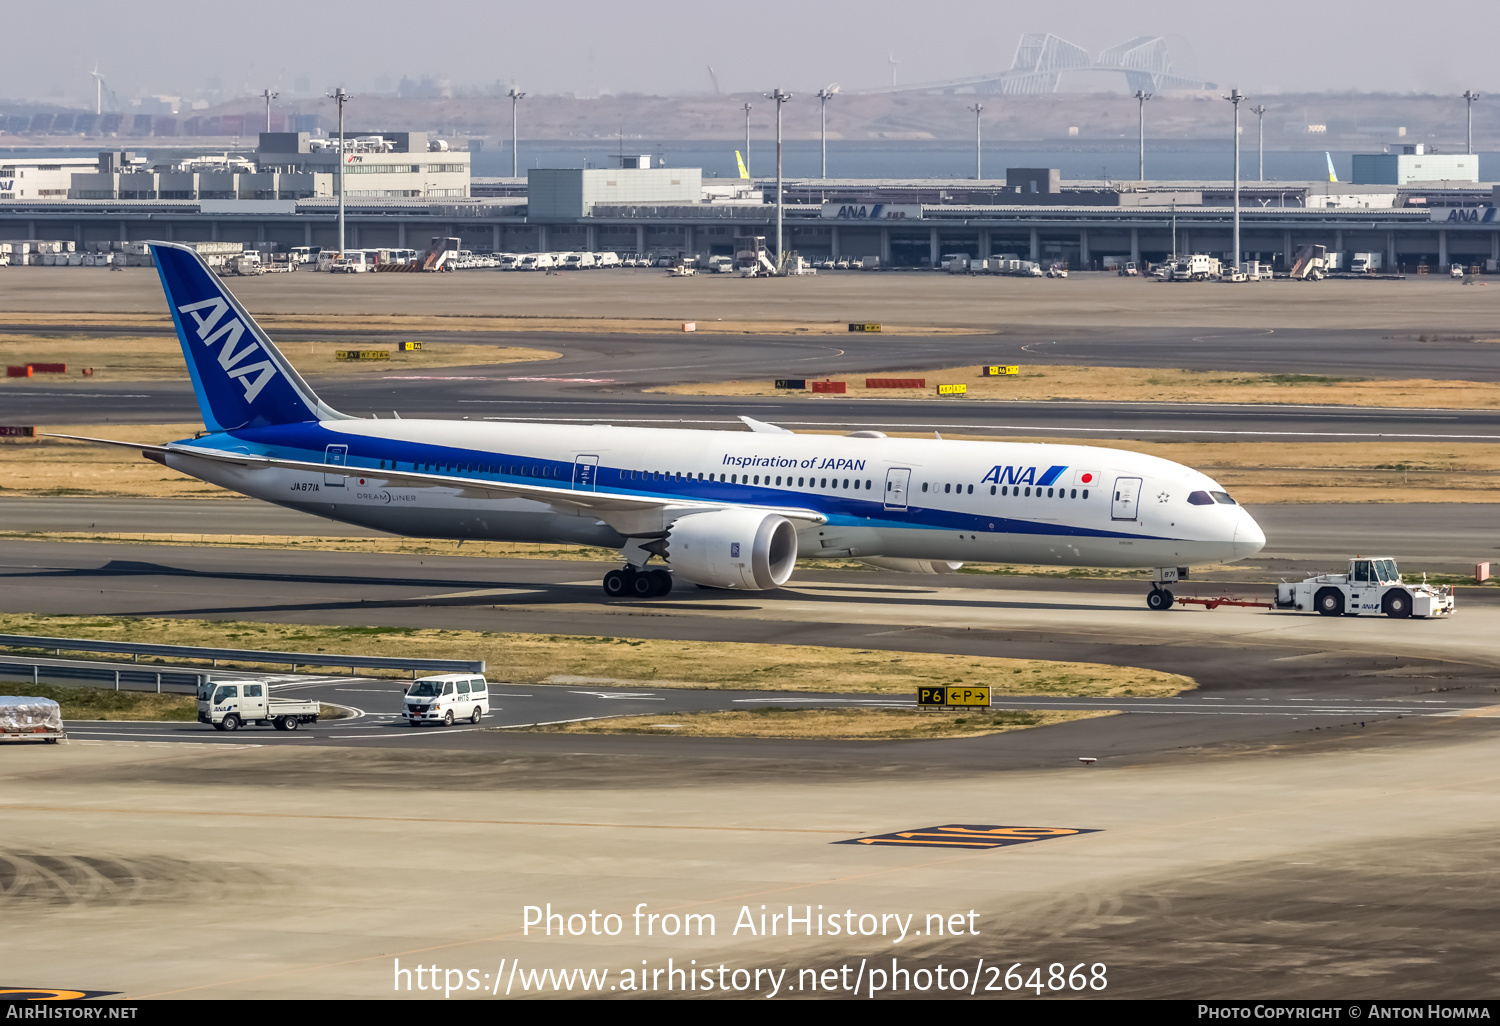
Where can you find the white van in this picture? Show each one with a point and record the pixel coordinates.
(445, 698)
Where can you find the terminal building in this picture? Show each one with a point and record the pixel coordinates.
(401, 189)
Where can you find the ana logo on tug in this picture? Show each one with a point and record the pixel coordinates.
(230, 357)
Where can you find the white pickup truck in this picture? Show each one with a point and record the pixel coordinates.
(230, 706)
(1372, 585)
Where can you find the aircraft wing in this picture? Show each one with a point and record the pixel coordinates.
(601, 502)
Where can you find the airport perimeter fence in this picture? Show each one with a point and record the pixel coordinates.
(243, 655)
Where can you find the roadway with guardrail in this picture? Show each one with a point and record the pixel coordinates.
(244, 655)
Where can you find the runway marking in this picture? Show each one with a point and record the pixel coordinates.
(961, 835)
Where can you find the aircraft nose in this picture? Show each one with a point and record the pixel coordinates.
(1248, 537)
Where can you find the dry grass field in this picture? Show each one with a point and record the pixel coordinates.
(536, 658)
(132, 358)
(828, 724)
(1133, 384)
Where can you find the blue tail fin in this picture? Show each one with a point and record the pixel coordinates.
(240, 377)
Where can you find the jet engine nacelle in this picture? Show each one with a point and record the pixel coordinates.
(745, 549)
(913, 566)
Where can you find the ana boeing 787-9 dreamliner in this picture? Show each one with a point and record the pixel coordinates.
(721, 509)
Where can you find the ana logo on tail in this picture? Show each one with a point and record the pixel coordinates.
(230, 357)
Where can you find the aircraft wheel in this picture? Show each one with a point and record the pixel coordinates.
(643, 585)
(616, 584)
(1158, 599)
(663, 581)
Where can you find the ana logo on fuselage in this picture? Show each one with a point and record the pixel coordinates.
(207, 314)
(1023, 475)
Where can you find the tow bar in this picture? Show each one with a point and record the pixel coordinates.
(1223, 600)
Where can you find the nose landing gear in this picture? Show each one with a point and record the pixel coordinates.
(1159, 599)
(637, 583)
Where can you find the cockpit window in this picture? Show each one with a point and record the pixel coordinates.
(1201, 499)
(1223, 497)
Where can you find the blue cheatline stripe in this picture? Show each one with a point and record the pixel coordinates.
(1050, 476)
(306, 442)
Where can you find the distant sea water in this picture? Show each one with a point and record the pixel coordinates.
(941, 159)
(946, 160)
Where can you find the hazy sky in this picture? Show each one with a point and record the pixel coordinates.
(666, 46)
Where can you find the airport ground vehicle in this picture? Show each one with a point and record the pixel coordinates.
(1057, 271)
(1197, 267)
(1128, 270)
(445, 698)
(1456, 271)
(230, 705)
(25, 718)
(1366, 263)
(351, 261)
(1372, 585)
(721, 264)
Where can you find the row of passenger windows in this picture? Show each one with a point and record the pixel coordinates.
(1061, 493)
(852, 484)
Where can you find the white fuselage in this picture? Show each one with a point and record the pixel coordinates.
(924, 499)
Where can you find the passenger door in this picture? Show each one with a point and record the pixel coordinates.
(1126, 499)
(335, 456)
(896, 481)
(585, 469)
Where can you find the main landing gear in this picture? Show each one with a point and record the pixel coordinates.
(635, 583)
(1159, 599)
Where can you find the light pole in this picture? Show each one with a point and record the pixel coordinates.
(747, 108)
(1470, 96)
(780, 97)
(269, 97)
(515, 164)
(1234, 97)
(978, 109)
(341, 98)
(824, 95)
(1260, 131)
(1141, 97)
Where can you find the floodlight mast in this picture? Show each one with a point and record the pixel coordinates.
(780, 97)
(1260, 129)
(1234, 97)
(1469, 97)
(1141, 97)
(515, 164)
(269, 96)
(824, 95)
(978, 109)
(340, 97)
(747, 108)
